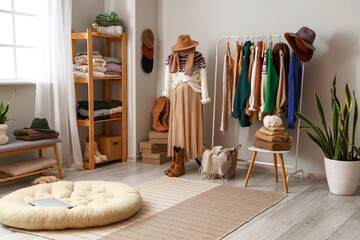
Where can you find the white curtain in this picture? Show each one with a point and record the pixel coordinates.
(55, 92)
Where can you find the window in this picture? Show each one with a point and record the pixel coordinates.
(20, 38)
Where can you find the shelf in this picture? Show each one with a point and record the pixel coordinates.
(86, 79)
(86, 122)
(83, 35)
(87, 165)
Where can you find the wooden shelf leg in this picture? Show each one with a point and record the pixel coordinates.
(275, 167)
(58, 161)
(283, 172)
(40, 153)
(250, 168)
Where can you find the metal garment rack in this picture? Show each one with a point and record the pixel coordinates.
(259, 37)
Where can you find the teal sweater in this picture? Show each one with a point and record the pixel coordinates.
(243, 89)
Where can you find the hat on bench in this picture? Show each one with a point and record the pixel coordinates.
(40, 124)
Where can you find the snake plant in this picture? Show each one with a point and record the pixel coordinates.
(5, 109)
(334, 140)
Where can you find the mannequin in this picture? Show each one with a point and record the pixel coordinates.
(185, 76)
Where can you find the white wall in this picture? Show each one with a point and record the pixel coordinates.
(337, 44)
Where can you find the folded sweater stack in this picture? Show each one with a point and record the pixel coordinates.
(273, 139)
(113, 66)
(29, 134)
(102, 110)
(109, 24)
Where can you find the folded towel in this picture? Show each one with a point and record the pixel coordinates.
(112, 74)
(116, 115)
(115, 110)
(109, 16)
(112, 60)
(95, 74)
(111, 30)
(113, 67)
(115, 103)
(97, 105)
(85, 53)
(83, 60)
(276, 129)
(272, 146)
(85, 68)
(45, 135)
(274, 138)
(271, 133)
(97, 113)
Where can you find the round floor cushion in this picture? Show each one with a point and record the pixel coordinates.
(95, 203)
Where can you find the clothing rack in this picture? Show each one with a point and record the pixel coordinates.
(269, 37)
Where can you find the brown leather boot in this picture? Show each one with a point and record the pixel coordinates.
(164, 114)
(179, 167)
(172, 162)
(156, 111)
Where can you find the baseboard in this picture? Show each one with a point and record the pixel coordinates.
(132, 158)
(269, 167)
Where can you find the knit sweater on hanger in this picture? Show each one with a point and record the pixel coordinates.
(243, 89)
(271, 85)
(197, 81)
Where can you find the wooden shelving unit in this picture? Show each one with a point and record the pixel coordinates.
(89, 80)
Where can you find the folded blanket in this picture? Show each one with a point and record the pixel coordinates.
(97, 105)
(116, 115)
(85, 68)
(79, 116)
(113, 67)
(111, 30)
(97, 60)
(109, 16)
(112, 74)
(112, 60)
(45, 134)
(115, 104)
(272, 146)
(115, 110)
(274, 138)
(97, 113)
(85, 53)
(276, 129)
(95, 74)
(271, 133)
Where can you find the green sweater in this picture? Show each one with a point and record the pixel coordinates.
(272, 81)
(243, 89)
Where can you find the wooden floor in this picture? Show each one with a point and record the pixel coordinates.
(309, 211)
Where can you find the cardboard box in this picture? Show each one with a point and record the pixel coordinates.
(156, 161)
(159, 140)
(154, 155)
(154, 134)
(110, 146)
(148, 145)
(152, 151)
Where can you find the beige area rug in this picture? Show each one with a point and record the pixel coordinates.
(175, 208)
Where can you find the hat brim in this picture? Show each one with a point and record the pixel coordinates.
(309, 45)
(148, 52)
(42, 129)
(178, 48)
(147, 64)
(304, 57)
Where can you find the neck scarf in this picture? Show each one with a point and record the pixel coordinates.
(175, 60)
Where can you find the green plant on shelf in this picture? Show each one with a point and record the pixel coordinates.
(334, 141)
(5, 109)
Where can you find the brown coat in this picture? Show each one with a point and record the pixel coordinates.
(257, 91)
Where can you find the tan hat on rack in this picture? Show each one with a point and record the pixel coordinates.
(302, 43)
(184, 42)
(148, 38)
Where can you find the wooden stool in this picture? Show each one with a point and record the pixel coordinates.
(256, 150)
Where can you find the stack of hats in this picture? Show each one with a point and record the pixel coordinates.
(147, 60)
(272, 136)
(302, 42)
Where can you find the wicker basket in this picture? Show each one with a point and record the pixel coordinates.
(233, 161)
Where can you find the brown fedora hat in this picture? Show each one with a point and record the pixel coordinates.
(184, 42)
(148, 38)
(148, 52)
(302, 43)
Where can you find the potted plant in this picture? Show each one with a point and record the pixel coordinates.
(342, 165)
(3, 120)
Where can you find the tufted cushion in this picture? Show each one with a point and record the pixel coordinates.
(96, 203)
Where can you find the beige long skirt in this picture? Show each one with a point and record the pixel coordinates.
(186, 124)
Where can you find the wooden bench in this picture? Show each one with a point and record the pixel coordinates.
(19, 146)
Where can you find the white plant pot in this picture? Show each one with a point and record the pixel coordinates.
(342, 176)
(3, 138)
